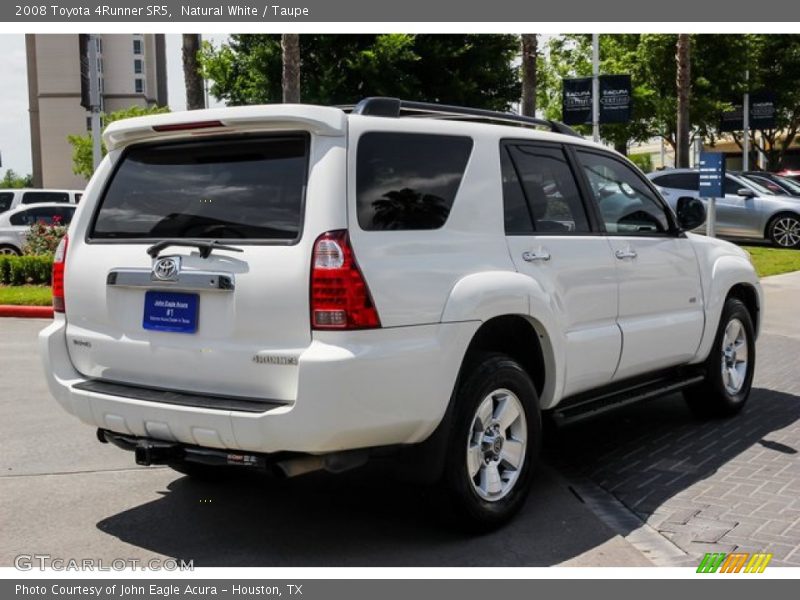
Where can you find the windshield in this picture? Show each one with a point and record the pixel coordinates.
(220, 189)
(757, 187)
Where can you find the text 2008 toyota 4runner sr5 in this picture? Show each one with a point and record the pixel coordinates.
(298, 287)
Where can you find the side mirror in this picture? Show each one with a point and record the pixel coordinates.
(691, 213)
(746, 193)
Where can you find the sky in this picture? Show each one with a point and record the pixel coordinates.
(15, 135)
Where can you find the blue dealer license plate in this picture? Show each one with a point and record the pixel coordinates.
(170, 311)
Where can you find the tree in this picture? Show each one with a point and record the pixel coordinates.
(290, 54)
(12, 180)
(683, 84)
(529, 57)
(195, 96)
(468, 69)
(82, 163)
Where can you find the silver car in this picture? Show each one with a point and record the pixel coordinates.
(747, 211)
(15, 224)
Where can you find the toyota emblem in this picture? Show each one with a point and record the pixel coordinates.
(167, 268)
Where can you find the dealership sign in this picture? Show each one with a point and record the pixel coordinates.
(615, 100)
(762, 113)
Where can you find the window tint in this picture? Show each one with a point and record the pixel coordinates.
(408, 180)
(679, 181)
(6, 198)
(515, 210)
(38, 197)
(549, 188)
(48, 215)
(732, 186)
(217, 189)
(626, 204)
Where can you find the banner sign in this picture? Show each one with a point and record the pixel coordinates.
(712, 174)
(762, 113)
(576, 101)
(616, 100)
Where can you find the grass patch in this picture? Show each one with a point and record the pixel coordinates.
(774, 261)
(25, 295)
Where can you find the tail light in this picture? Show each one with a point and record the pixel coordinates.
(340, 298)
(59, 260)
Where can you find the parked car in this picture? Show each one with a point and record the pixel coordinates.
(790, 174)
(305, 288)
(12, 198)
(747, 211)
(780, 186)
(15, 224)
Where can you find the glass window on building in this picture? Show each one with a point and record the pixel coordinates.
(138, 66)
(138, 85)
(137, 46)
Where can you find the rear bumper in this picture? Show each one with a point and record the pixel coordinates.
(356, 390)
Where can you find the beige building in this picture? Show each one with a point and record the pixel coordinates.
(133, 71)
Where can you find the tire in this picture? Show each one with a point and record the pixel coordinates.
(729, 367)
(494, 443)
(9, 250)
(784, 230)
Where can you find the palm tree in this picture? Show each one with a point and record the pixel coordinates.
(684, 87)
(529, 52)
(290, 50)
(195, 96)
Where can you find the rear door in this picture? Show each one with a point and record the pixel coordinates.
(552, 239)
(233, 322)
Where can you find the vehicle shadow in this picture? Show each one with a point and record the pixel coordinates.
(361, 518)
(645, 455)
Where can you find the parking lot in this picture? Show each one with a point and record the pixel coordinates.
(646, 485)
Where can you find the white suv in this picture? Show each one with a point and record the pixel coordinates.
(294, 287)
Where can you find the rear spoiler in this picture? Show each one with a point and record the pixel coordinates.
(321, 120)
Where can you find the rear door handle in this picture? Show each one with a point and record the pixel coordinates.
(541, 255)
(627, 253)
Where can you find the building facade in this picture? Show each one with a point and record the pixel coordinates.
(132, 70)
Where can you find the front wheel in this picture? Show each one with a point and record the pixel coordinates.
(784, 231)
(494, 443)
(8, 250)
(730, 366)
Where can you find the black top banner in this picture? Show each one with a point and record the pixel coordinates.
(409, 11)
(616, 101)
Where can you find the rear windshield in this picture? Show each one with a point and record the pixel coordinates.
(235, 189)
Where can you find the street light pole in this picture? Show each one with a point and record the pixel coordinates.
(746, 123)
(595, 87)
(94, 100)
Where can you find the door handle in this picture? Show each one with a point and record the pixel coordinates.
(627, 253)
(541, 255)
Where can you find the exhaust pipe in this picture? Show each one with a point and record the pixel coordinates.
(149, 452)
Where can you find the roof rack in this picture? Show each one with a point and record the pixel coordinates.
(379, 106)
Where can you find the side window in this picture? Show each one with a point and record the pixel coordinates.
(408, 181)
(6, 198)
(550, 190)
(516, 215)
(44, 214)
(23, 218)
(678, 181)
(732, 186)
(39, 197)
(626, 204)
(78, 197)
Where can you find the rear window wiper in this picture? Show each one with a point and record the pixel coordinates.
(205, 248)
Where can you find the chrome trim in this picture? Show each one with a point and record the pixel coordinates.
(208, 281)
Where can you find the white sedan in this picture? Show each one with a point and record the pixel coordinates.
(15, 224)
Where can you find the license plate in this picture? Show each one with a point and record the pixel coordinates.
(170, 311)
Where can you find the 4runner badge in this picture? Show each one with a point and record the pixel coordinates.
(167, 268)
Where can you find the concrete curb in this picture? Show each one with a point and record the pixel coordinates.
(26, 312)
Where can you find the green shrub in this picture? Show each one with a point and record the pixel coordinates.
(25, 270)
(643, 161)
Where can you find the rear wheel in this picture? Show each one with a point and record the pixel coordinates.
(494, 443)
(730, 366)
(784, 230)
(8, 250)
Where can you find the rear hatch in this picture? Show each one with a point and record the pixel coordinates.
(190, 269)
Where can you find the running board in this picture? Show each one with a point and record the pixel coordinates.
(591, 404)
